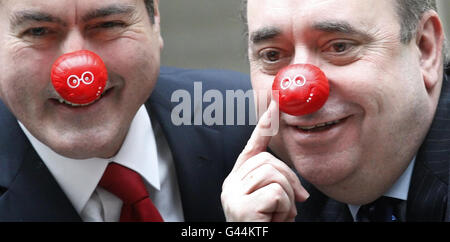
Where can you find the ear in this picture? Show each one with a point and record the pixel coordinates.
(157, 24)
(430, 40)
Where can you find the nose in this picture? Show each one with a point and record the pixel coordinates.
(304, 55)
(79, 77)
(300, 89)
(74, 41)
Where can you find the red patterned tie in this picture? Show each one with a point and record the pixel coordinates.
(128, 186)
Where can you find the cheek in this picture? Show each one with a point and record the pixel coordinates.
(384, 92)
(137, 63)
(262, 85)
(361, 85)
(25, 78)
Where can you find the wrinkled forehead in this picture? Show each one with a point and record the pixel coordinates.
(301, 13)
(60, 8)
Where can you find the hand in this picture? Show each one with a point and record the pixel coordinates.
(261, 187)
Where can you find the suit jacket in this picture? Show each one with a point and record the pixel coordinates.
(429, 189)
(203, 155)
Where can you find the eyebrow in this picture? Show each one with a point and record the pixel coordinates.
(336, 27)
(264, 34)
(25, 16)
(115, 9)
(22, 17)
(341, 27)
(269, 33)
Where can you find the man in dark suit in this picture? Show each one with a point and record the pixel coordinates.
(378, 150)
(53, 154)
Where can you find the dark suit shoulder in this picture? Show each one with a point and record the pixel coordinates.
(13, 144)
(210, 78)
(233, 135)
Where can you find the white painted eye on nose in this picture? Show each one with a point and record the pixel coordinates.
(300, 80)
(73, 81)
(286, 83)
(87, 77)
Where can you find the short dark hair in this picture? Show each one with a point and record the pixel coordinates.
(410, 13)
(150, 5)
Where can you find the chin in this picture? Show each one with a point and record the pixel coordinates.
(326, 169)
(85, 145)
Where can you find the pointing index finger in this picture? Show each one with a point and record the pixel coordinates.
(266, 128)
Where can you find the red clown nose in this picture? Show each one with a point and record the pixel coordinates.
(300, 89)
(79, 77)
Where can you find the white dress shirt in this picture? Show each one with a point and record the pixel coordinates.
(399, 190)
(144, 150)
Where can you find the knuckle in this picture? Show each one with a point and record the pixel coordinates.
(272, 173)
(293, 213)
(238, 210)
(266, 156)
(264, 125)
(277, 192)
(267, 168)
(269, 174)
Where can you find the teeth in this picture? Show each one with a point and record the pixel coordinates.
(307, 128)
(78, 105)
(333, 122)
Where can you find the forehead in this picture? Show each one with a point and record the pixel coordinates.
(66, 8)
(297, 13)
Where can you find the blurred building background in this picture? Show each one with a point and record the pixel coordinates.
(209, 33)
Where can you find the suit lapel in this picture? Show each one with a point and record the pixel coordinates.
(198, 156)
(428, 194)
(31, 193)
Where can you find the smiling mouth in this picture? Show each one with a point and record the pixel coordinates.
(321, 126)
(62, 101)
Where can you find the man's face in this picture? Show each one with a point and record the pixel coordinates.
(377, 93)
(34, 33)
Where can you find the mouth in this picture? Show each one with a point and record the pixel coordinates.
(60, 101)
(320, 127)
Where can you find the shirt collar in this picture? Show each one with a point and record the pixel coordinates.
(79, 178)
(399, 190)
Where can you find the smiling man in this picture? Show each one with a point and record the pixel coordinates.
(381, 139)
(53, 154)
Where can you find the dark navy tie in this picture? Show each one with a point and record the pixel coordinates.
(384, 209)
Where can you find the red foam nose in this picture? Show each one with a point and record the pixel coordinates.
(79, 77)
(300, 89)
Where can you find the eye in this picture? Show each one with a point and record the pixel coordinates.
(342, 52)
(271, 56)
(37, 32)
(270, 60)
(340, 47)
